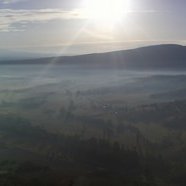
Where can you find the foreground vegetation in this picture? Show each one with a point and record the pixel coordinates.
(143, 145)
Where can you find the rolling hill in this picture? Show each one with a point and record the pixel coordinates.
(158, 56)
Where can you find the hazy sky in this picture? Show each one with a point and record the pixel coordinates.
(63, 26)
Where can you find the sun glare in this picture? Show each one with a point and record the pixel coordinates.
(106, 11)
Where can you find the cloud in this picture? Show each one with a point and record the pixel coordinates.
(10, 1)
(18, 19)
(9, 18)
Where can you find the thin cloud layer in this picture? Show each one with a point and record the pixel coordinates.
(9, 18)
(10, 1)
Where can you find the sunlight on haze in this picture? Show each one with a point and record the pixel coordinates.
(106, 12)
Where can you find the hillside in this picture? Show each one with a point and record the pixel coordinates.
(158, 56)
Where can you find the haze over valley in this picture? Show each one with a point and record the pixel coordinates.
(92, 93)
(52, 111)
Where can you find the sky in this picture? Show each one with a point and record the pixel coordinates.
(70, 27)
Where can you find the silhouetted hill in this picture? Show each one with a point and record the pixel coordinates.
(12, 55)
(158, 56)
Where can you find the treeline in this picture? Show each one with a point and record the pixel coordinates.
(72, 160)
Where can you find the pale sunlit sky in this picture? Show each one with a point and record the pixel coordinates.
(69, 27)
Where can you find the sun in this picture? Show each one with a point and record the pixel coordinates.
(106, 11)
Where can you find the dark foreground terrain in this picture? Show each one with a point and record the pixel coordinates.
(143, 145)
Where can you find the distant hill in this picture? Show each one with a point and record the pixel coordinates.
(12, 55)
(158, 56)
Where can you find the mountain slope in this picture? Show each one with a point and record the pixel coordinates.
(158, 56)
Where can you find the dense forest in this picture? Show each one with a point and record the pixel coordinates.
(146, 146)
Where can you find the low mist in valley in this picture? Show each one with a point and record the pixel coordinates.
(92, 93)
(64, 125)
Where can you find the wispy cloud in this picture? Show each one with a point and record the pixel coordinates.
(9, 18)
(10, 1)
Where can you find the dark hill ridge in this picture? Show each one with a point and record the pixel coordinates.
(158, 56)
